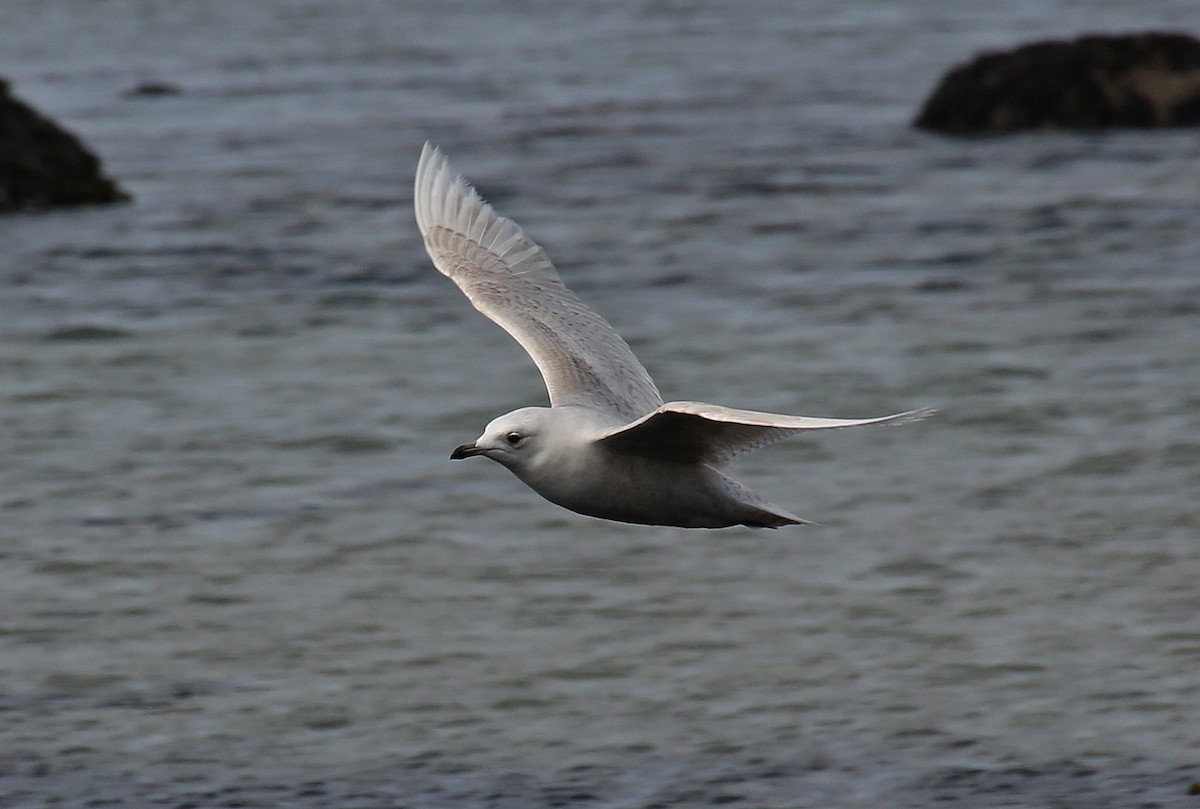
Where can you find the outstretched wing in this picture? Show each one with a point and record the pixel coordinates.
(695, 432)
(508, 278)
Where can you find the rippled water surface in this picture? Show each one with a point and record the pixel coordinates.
(237, 568)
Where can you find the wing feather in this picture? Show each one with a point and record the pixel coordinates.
(696, 432)
(508, 278)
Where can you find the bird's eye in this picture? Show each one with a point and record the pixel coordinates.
(513, 439)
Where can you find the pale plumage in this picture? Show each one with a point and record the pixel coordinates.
(508, 278)
(608, 446)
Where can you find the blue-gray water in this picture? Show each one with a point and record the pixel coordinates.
(237, 568)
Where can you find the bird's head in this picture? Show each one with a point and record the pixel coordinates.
(513, 439)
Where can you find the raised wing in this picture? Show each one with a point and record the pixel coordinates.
(508, 278)
(695, 432)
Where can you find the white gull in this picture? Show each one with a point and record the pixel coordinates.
(607, 446)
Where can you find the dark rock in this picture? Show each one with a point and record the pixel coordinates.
(152, 89)
(44, 166)
(1095, 82)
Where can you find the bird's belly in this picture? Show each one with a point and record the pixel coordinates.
(642, 491)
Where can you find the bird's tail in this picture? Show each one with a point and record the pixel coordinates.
(766, 515)
(756, 512)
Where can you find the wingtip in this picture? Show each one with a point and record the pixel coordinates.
(429, 154)
(431, 183)
(910, 416)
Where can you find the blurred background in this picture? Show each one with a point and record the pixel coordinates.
(237, 567)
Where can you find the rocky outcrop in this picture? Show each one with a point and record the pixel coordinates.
(44, 166)
(1094, 82)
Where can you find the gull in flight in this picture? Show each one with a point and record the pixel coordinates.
(607, 446)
